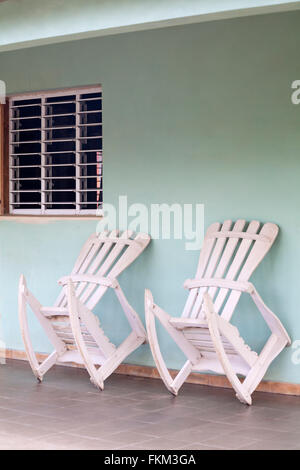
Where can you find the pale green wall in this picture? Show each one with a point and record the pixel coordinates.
(198, 113)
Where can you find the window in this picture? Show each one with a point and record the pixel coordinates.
(55, 152)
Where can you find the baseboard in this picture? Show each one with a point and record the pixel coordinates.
(211, 380)
(283, 388)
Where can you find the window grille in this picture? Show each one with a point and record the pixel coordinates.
(55, 156)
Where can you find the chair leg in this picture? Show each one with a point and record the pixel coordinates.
(74, 315)
(130, 344)
(136, 338)
(132, 317)
(181, 377)
(272, 348)
(241, 391)
(25, 297)
(152, 311)
(25, 330)
(114, 356)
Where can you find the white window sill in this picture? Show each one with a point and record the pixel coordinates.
(47, 218)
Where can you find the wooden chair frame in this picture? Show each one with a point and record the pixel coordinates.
(70, 325)
(206, 337)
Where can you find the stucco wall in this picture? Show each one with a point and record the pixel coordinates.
(192, 114)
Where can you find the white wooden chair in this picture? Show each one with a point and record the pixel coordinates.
(204, 333)
(70, 325)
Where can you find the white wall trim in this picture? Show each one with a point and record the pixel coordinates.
(105, 31)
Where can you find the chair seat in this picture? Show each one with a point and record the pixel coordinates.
(54, 311)
(181, 323)
(197, 332)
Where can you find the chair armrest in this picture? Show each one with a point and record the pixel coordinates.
(102, 281)
(241, 286)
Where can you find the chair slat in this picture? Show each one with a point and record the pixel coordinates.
(130, 253)
(84, 253)
(205, 253)
(227, 254)
(211, 266)
(104, 270)
(206, 250)
(226, 258)
(260, 248)
(108, 244)
(101, 256)
(133, 251)
(85, 256)
(235, 266)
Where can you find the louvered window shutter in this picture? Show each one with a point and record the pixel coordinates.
(56, 153)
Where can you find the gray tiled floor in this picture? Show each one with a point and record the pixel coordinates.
(67, 412)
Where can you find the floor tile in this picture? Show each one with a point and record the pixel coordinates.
(67, 412)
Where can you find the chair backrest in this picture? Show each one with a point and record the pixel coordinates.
(230, 251)
(104, 255)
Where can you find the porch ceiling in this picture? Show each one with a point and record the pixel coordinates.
(27, 23)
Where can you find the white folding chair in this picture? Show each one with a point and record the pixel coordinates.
(70, 325)
(204, 333)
